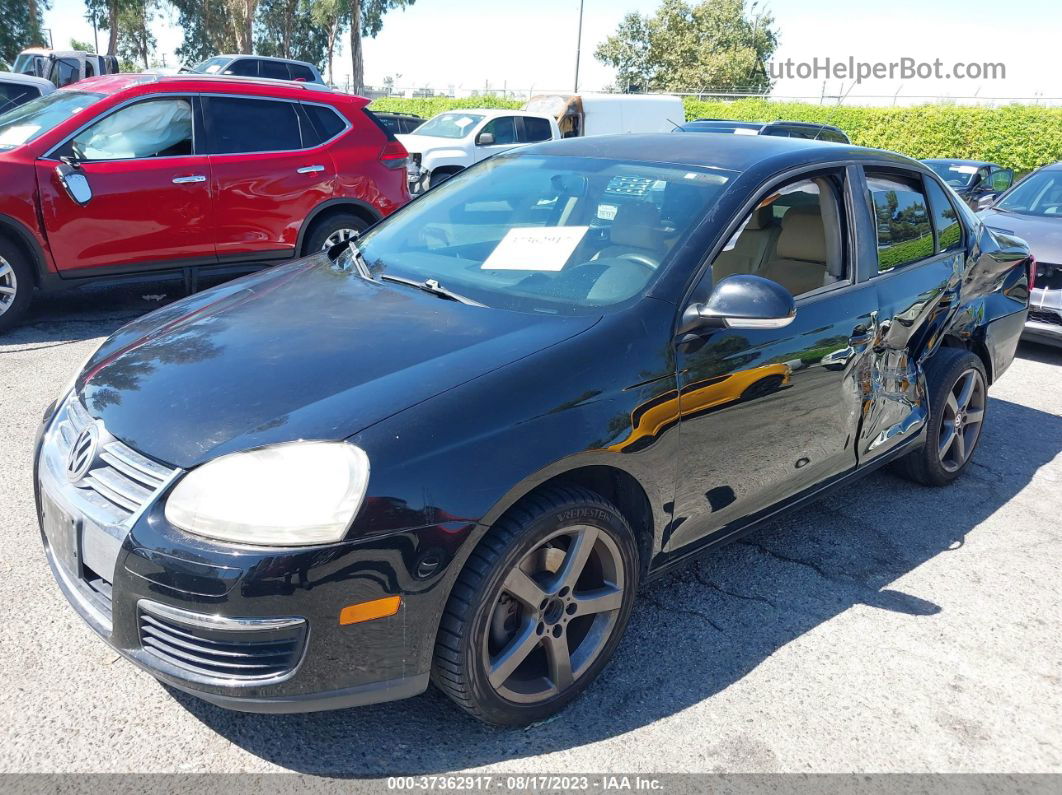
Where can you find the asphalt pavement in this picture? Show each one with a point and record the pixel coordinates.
(889, 628)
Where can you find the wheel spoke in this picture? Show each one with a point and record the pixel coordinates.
(509, 659)
(560, 661)
(4, 269)
(524, 588)
(601, 600)
(952, 406)
(946, 442)
(575, 560)
(967, 390)
(6, 290)
(960, 447)
(974, 416)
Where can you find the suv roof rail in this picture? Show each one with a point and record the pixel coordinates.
(261, 81)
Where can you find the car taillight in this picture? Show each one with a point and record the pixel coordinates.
(1032, 272)
(394, 155)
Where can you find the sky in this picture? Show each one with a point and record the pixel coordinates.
(531, 44)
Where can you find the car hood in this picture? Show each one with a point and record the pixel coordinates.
(302, 351)
(1044, 235)
(429, 143)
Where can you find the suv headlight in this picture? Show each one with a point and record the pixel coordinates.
(286, 495)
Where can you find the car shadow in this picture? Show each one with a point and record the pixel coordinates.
(1039, 352)
(715, 620)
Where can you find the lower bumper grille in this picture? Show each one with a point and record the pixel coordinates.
(1045, 317)
(220, 650)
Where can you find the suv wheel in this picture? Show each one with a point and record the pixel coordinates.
(16, 285)
(538, 609)
(958, 399)
(332, 230)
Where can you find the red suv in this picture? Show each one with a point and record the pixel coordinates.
(128, 174)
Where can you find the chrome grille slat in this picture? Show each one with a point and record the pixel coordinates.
(122, 465)
(97, 480)
(221, 650)
(137, 465)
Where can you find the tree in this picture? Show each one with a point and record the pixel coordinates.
(21, 27)
(716, 44)
(366, 19)
(208, 29)
(331, 16)
(128, 26)
(82, 46)
(242, 14)
(290, 29)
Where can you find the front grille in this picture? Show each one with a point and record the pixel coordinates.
(220, 650)
(120, 481)
(1045, 317)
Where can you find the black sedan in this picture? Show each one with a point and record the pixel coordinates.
(976, 182)
(454, 453)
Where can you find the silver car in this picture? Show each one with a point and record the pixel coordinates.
(1032, 210)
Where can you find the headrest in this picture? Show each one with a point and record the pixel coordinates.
(803, 235)
(762, 217)
(636, 225)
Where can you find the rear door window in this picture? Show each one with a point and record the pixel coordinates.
(237, 125)
(536, 130)
(901, 214)
(277, 70)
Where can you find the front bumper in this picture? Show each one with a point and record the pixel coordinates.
(250, 628)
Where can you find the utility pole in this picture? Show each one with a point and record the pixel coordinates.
(578, 46)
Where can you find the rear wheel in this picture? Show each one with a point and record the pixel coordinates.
(16, 284)
(333, 229)
(539, 608)
(958, 400)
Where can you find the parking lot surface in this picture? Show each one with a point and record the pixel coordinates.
(888, 628)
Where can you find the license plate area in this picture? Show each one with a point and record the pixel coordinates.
(86, 551)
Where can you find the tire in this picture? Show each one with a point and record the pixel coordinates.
(437, 177)
(514, 608)
(16, 284)
(332, 225)
(954, 427)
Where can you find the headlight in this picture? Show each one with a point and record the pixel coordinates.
(288, 495)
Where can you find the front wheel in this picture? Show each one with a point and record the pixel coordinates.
(332, 230)
(538, 609)
(958, 400)
(16, 285)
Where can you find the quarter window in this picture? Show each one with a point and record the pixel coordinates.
(945, 218)
(154, 128)
(240, 125)
(300, 72)
(325, 120)
(901, 214)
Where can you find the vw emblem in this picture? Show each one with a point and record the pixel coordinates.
(82, 453)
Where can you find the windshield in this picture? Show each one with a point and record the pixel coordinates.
(27, 63)
(958, 175)
(449, 125)
(26, 122)
(557, 235)
(1040, 194)
(210, 65)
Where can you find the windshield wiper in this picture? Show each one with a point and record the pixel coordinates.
(433, 287)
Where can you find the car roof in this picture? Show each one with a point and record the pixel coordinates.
(26, 80)
(957, 161)
(731, 152)
(761, 125)
(492, 112)
(260, 58)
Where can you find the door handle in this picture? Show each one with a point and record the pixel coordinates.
(309, 169)
(189, 180)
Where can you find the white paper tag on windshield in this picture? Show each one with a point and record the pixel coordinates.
(535, 248)
(16, 135)
(964, 169)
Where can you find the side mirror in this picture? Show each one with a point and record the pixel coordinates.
(1000, 180)
(74, 182)
(986, 201)
(485, 139)
(742, 301)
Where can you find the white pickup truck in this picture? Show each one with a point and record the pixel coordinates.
(457, 139)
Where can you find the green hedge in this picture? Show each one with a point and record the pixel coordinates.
(1021, 137)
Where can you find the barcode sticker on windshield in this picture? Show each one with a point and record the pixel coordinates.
(535, 248)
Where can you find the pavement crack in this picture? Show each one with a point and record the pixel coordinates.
(798, 561)
(748, 597)
(682, 610)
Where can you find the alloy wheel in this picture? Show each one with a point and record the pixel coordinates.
(556, 611)
(8, 285)
(339, 236)
(960, 426)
